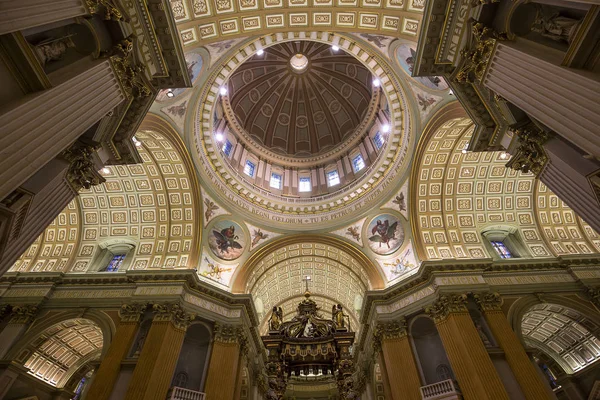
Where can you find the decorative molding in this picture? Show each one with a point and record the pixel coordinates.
(229, 334)
(23, 314)
(174, 313)
(83, 172)
(132, 312)
(530, 155)
(488, 301)
(446, 304)
(110, 10)
(594, 296)
(388, 330)
(477, 58)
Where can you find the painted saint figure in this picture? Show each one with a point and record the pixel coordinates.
(383, 232)
(227, 239)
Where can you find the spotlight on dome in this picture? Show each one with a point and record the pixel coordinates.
(223, 90)
(105, 171)
(170, 93)
(260, 52)
(503, 155)
(385, 128)
(376, 82)
(219, 137)
(335, 48)
(450, 92)
(137, 142)
(464, 151)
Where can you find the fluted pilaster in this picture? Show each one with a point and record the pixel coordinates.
(16, 15)
(470, 361)
(104, 381)
(153, 373)
(391, 340)
(229, 343)
(531, 384)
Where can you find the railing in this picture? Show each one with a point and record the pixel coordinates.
(439, 389)
(179, 393)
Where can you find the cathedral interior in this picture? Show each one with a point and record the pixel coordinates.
(299, 199)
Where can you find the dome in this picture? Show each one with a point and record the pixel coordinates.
(300, 98)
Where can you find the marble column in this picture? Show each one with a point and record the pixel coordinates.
(398, 359)
(475, 372)
(228, 344)
(153, 373)
(525, 372)
(106, 376)
(529, 75)
(21, 317)
(42, 125)
(16, 15)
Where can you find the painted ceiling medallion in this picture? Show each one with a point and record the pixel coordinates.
(386, 234)
(227, 240)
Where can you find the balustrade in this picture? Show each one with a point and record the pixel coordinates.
(179, 393)
(440, 390)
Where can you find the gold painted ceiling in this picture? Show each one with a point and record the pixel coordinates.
(300, 112)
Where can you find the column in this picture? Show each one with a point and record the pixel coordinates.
(39, 128)
(477, 377)
(21, 317)
(106, 376)
(530, 77)
(532, 386)
(153, 373)
(398, 359)
(228, 343)
(16, 15)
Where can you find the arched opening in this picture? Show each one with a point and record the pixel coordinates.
(429, 351)
(191, 368)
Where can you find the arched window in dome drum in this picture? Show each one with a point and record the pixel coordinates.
(378, 140)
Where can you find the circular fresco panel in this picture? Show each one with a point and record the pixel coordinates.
(406, 58)
(227, 240)
(385, 234)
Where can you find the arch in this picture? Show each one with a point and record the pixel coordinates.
(428, 348)
(243, 274)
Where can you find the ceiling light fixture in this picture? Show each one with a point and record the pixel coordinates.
(219, 137)
(223, 90)
(170, 93)
(385, 128)
(260, 52)
(105, 171)
(376, 82)
(335, 48)
(503, 155)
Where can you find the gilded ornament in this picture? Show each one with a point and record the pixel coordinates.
(174, 313)
(488, 301)
(447, 304)
(228, 333)
(83, 172)
(130, 75)
(594, 296)
(111, 11)
(530, 155)
(23, 314)
(132, 312)
(476, 59)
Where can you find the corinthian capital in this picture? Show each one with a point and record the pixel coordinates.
(229, 334)
(132, 312)
(594, 296)
(388, 330)
(447, 304)
(83, 172)
(530, 155)
(174, 313)
(488, 301)
(23, 314)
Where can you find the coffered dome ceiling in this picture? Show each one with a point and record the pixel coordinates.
(303, 110)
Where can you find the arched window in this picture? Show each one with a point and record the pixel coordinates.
(79, 389)
(115, 263)
(115, 255)
(503, 242)
(443, 372)
(180, 380)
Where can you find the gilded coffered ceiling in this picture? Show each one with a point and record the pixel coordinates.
(569, 337)
(153, 205)
(457, 195)
(300, 112)
(61, 350)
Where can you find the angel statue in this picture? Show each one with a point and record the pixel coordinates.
(337, 314)
(276, 319)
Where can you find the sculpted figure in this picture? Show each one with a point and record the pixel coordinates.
(338, 316)
(52, 50)
(551, 24)
(276, 319)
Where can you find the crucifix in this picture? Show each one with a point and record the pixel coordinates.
(306, 279)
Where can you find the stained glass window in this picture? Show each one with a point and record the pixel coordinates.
(115, 263)
(304, 184)
(358, 163)
(501, 249)
(79, 389)
(333, 178)
(551, 378)
(275, 181)
(378, 140)
(227, 147)
(249, 168)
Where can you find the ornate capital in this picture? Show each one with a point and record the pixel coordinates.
(132, 312)
(594, 296)
(174, 313)
(131, 76)
(229, 334)
(23, 314)
(108, 7)
(447, 304)
(530, 155)
(477, 58)
(488, 301)
(389, 330)
(83, 172)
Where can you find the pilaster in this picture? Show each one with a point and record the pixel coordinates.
(106, 376)
(391, 340)
(153, 373)
(532, 386)
(228, 345)
(470, 361)
(21, 316)
(16, 15)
